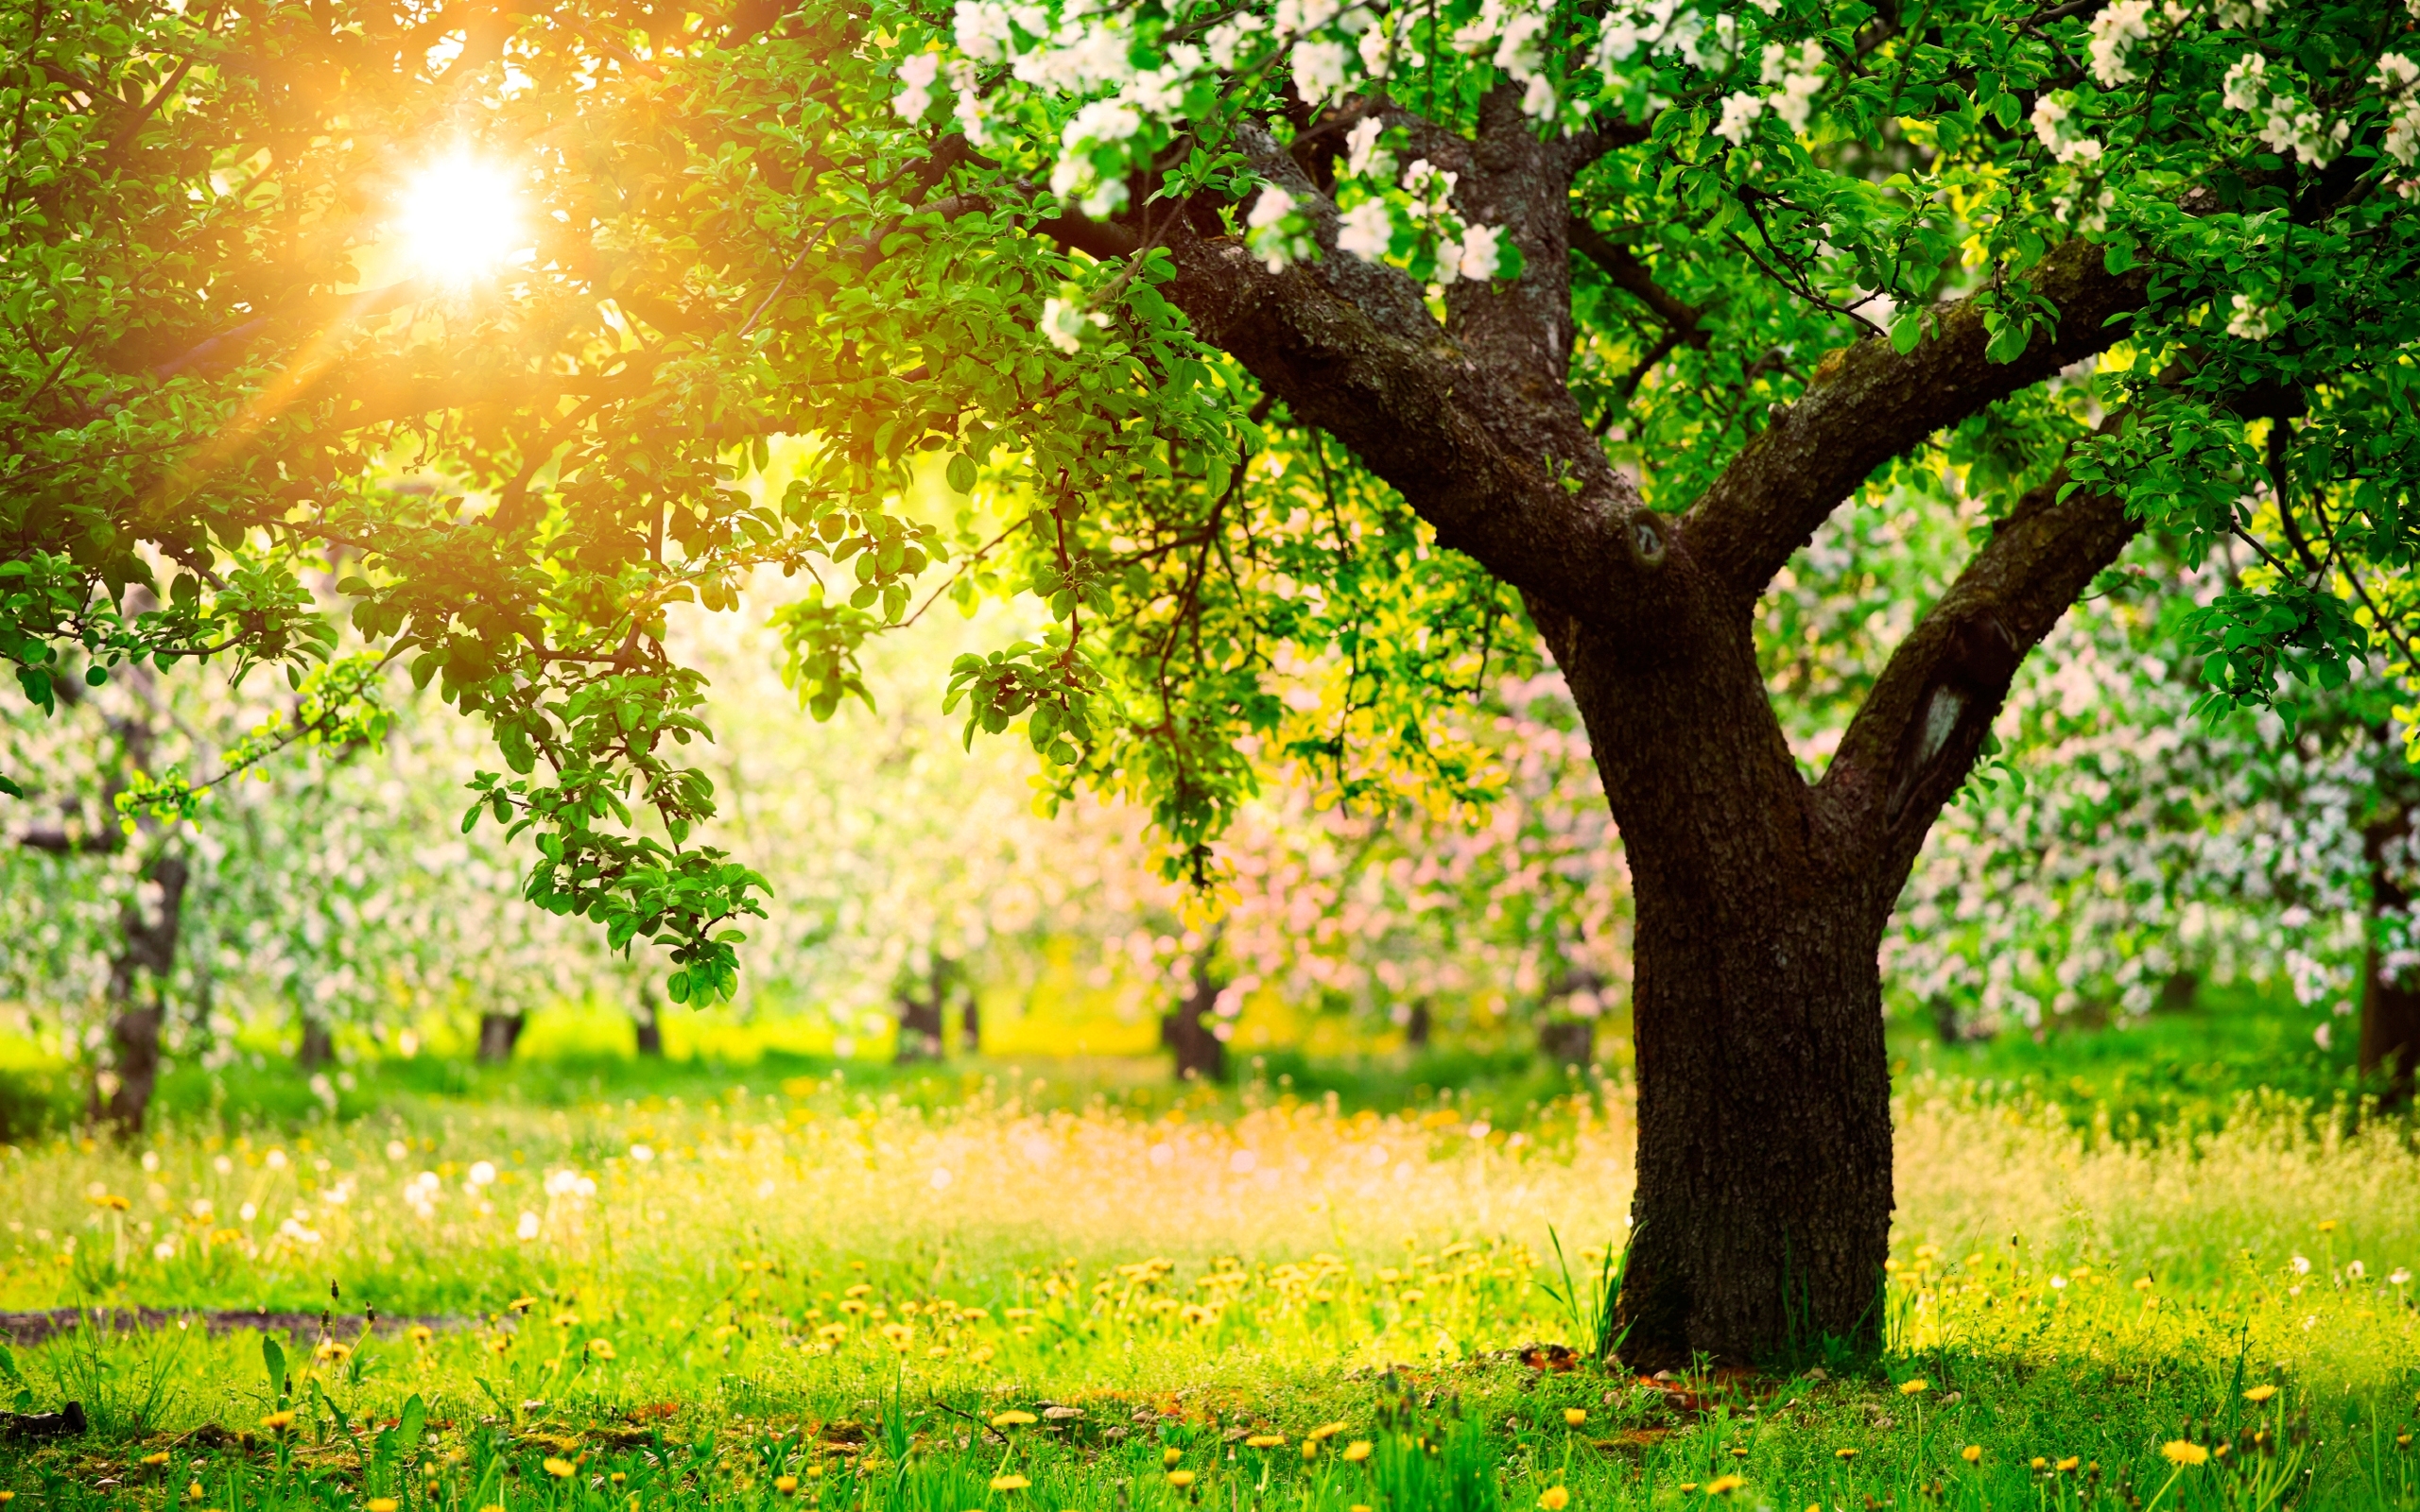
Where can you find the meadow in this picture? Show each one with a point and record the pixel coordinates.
(991, 1290)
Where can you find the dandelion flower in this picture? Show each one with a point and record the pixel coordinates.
(195, 1492)
(2259, 1394)
(1179, 1479)
(419, 1333)
(601, 1348)
(1725, 1484)
(278, 1422)
(1972, 1453)
(1357, 1449)
(1012, 1419)
(1554, 1499)
(1169, 1456)
(1574, 1417)
(155, 1460)
(381, 1503)
(1844, 1453)
(1914, 1388)
(2070, 1463)
(2183, 1451)
(1326, 1431)
(1264, 1441)
(784, 1484)
(560, 1469)
(1010, 1483)
(2040, 1464)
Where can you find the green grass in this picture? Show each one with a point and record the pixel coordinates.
(781, 1272)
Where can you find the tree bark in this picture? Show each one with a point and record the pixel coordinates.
(1190, 1028)
(498, 1034)
(1418, 1025)
(923, 1016)
(121, 1098)
(2389, 1008)
(970, 1024)
(1567, 1041)
(319, 1043)
(648, 1022)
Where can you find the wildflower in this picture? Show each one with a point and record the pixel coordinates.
(195, 1492)
(419, 1333)
(160, 1458)
(1554, 1499)
(2069, 1463)
(2327, 1226)
(2259, 1394)
(6, 1497)
(381, 1503)
(1264, 1441)
(1725, 1484)
(1972, 1453)
(1012, 1419)
(1179, 1479)
(1310, 1449)
(1169, 1456)
(521, 1304)
(560, 1469)
(1914, 1388)
(1326, 1431)
(617, 1477)
(1844, 1453)
(278, 1422)
(2183, 1451)
(1010, 1483)
(1358, 1448)
(784, 1485)
(1574, 1417)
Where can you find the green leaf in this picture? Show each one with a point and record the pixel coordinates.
(273, 1360)
(1905, 332)
(961, 473)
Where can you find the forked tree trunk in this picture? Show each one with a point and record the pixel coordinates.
(1190, 1029)
(2390, 1001)
(498, 1034)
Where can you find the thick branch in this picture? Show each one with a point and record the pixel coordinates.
(1870, 404)
(1911, 743)
(1629, 275)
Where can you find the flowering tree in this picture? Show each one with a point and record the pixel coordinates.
(1398, 336)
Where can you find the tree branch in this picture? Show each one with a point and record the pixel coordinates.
(1869, 403)
(1629, 275)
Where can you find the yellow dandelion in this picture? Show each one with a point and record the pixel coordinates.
(560, 1469)
(1914, 1388)
(2327, 1226)
(278, 1422)
(1326, 1431)
(1554, 1499)
(2040, 1464)
(2069, 1463)
(1169, 1456)
(420, 1334)
(566, 1320)
(617, 1477)
(1012, 1419)
(521, 1304)
(156, 1460)
(1574, 1417)
(1179, 1479)
(1686, 1487)
(785, 1484)
(2183, 1451)
(1972, 1453)
(1357, 1449)
(195, 1492)
(6, 1497)
(600, 1349)
(1725, 1484)
(381, 1503)
(2259, 1394)
(1010, 1483)
(1310, 1449)
(1844, 1453)
(1264, 1441)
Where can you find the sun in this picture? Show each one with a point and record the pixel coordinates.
(460, 219)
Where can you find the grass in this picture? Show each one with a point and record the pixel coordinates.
(686, 1284)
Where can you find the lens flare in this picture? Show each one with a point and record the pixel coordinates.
(460, 219)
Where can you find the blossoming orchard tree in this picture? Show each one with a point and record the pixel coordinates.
(1583, 316)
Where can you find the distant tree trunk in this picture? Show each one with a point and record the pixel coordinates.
(2390, 1008)
(649, 1021)
(1190, 1030)
(922, 1008)
(970, 1025)
(319, 1045)
(498, 1034)
(1567, 1041)
(122, 1091)
(1418, 1027)
(2180, 992)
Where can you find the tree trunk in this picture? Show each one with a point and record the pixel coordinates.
(1190, 1029)
(319, 1045)
(121, 1089)
(648, 1022)
(1567, 1041)
(2389, 1000)
(1418, 1027)
(498, 1034)
(921, 1019)
(970, 1025)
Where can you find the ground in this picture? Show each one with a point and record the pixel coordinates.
(997, 1288)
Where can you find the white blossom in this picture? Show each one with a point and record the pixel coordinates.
(1538, 99)
(1319, 69)
(2115, 31)
(1266, 233)
(1364, 157)
(983, 30)
(1366, 230)
(2397, 74)
(1063, 321)
(1482, 252)
(1431, 189)
(1294, 17)
(1226, 39)
(2303, 132)
(1378, 51)
(1739, 112)
(2246, 82)
(917, 74)
(2053, 122)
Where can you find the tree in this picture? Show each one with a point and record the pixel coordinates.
(1337, 350)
